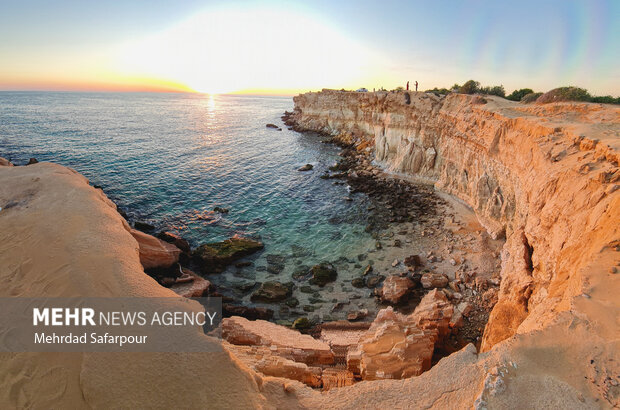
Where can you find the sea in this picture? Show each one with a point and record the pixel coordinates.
(169, 159)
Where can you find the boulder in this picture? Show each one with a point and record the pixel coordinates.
(282, 341)
(434, 280)
(155, 253)
(322, 274)
(195, 287)
(176, 240)
(398, 346)
(271, 292)
(395, 288)
(32, 161)
(213, 257)
(5, 162)
(307, 167)
(221, 210)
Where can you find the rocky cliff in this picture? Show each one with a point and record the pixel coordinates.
(544, 176)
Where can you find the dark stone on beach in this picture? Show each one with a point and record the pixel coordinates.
(292, 302)
(301, 323)
(221, 210)
(358, 283)
(250, 313)
(413, 261)
(176, 240)
(271, 292)
(307, 167)
(373, 280)
(213, 257)
(322, 274)
(144, 226)
(32, 161)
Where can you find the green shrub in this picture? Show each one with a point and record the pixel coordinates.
(438, 91)
(607, 99)
(495, 90)
(530, 98)
(565, 94)
(517, 95)
(470, 87)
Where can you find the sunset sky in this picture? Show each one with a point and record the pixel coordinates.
(286, 47)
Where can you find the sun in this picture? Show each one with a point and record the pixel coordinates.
(239, 49)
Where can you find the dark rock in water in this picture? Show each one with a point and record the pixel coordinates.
(243, 264)
(302, 273)
(271, 126)
(322, 274)
(361, 257)
(144, 226)
(122, 213)
(221, 210)
(32, 161)
(301, 323)
(292, 302)
(261, 268)
(358, 283)
(275, 269)
(243, 287)
(307, 167)
(250, 313)
(213, 257)
(373, 280)
(271, 292)
(309, 308)
(275, 259)
(367, 270)
(299, 252)
(176, 240)
(306, 289)
(98, 187)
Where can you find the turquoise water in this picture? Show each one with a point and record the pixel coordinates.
(169, 159)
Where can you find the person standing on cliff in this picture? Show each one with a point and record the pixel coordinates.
(416, 86)
(407, 85)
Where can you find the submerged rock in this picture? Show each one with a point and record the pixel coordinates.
(307, 167)
(322, 274)
(271, 292)
(144, 226)
(213, 257)
(251, 313)
(190, 285)
(221, 210)
(275, 127)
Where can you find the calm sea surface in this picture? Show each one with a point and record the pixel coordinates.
(169, 159)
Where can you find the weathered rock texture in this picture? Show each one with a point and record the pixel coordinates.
(545, 176)
(284, 342)
(155, 253)
(398, 346)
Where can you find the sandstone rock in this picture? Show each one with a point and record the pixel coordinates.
(155, 253)
(434, 280)
(398, 346)
(213, 257)
(194, 288)
(176, 240)
(357, 314)
(332, 378)
(5, 162)
(271, 292)
(283, 342)
(395, 288)
(323, 274)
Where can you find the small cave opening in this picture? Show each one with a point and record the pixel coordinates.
(527, 254)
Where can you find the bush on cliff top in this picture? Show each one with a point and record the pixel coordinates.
(530, 98)
(565, 94)
(517, 95)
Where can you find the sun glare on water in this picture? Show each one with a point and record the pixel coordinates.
(236, 50)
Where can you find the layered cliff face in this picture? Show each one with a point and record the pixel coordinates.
(543, 176)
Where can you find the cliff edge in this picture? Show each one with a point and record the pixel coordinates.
(544, 176)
